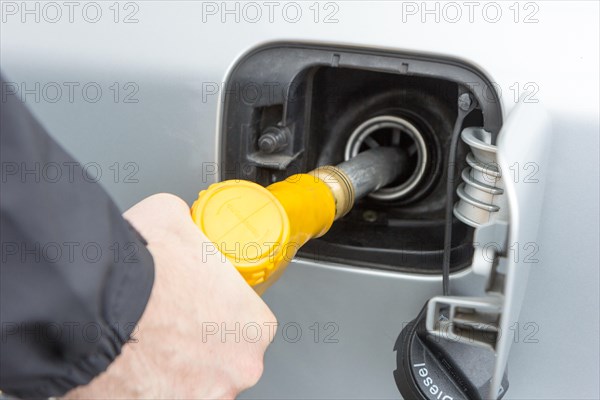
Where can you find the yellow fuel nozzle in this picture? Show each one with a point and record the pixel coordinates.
(260, 229)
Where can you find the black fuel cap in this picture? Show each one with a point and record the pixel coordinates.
(436, 368)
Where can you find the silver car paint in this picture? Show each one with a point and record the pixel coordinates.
(169, 136)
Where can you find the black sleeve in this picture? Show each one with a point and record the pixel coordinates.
(75, 276)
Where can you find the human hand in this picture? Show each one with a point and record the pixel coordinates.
(175, 351)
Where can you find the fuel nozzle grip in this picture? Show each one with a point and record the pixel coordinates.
(260, 229)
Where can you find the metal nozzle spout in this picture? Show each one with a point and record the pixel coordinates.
(373, 169)
(361, 175)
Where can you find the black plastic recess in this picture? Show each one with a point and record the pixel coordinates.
(320, 95)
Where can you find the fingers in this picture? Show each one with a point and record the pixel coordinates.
(159, 212)
(193, 287)
(160, 203)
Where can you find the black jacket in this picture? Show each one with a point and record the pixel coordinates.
(75, 276)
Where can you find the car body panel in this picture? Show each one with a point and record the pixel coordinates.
(167, 140)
